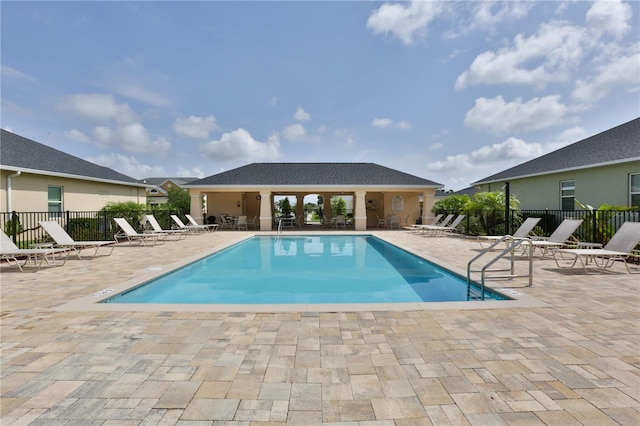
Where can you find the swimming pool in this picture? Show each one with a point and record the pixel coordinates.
(306, 269)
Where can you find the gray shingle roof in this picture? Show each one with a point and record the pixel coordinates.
(17, 152)
(616, 145)
(160, 180)
(313, 174)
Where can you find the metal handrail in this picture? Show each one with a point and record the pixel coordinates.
(509, 250)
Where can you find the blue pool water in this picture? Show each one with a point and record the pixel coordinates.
(306, 269)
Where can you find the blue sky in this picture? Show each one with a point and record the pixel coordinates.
(449, 91)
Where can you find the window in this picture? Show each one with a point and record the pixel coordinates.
(634, 190)
(567, 194)
(55, 201)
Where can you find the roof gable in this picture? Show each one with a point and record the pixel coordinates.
(616, 145)
(332, 174)
(21, 153)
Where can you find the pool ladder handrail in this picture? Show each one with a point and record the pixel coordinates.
(279, 231)
(511, 247)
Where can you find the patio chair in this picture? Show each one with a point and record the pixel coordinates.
(242, 223)
(10, 252)
(226, 222)
(393, 222)
(253, 223)
(64, 240)
(620, 247)
(447, 229)
(132, 236)
(381, 222)
(341, 222)
(558, 238)
(523, 231)
(179, 234)
(194, 224)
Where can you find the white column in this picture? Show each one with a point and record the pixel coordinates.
(196, 206)
(266, 214)
(428, 197)
(360, 213)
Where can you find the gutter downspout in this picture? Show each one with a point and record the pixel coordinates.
(9, 206)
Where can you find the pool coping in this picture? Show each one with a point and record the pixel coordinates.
(92, 302)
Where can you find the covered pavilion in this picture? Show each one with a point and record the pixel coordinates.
(250, 190)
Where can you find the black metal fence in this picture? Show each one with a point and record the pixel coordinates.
(24, 228)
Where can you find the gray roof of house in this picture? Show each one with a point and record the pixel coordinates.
(617, 145)
(313, 174)
(160, 180)
(20, 153)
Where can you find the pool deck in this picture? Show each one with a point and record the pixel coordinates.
(565, 353)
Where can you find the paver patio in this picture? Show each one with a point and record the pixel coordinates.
(575, 361)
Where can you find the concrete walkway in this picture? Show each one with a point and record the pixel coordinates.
(573, 361)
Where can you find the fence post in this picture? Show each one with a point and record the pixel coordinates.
(14, 226)
(594, 225)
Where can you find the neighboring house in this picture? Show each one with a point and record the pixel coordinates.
(377, 191)
(37, 178)
(601, 169)
(157, 193)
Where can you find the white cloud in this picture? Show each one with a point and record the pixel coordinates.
(403, 125)
(405, 21)
(301, 115)
(97, 107)
(273, 101)
(239, 145)
(617, 72)
(512, 148)
(545, 57)
(294, 133)
(487, 15)
(14, 73)
(609, 17)
(382, 123)
(195, 127)
(497, 116)
(131, 137)
(77, 135)
(506, 153)
(192, 172)
(436, 145)
(141, 94)
(129, 166)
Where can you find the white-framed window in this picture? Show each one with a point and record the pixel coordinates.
(634, 189)
(568, 194)
(54, 200)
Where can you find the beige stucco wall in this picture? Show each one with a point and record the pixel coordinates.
(29, 193)
(594, 186)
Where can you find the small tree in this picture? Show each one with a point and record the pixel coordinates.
(285, 207)
(179, 199)
(338, 207)
(489, 208)
(451, 204)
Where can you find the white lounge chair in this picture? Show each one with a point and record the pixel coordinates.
(523, 231)
(178, 234)
(64, 240)
(193, 229)
(558, 238)
(443, 222)
(618, 248)
(447, 229)
(132, 235)
(194, 224)
(416, 227)
(10, 252)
